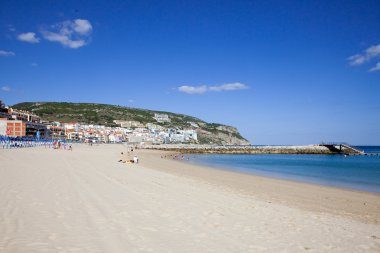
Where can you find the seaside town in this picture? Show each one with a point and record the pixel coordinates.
(20, 124)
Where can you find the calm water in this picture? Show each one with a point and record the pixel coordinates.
(353, 172)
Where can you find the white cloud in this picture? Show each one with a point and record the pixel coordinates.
(229, 86)
(204, 88)
(373, 51)
(131, 101)
(34, 64)
(357, 59)
(82, 26)
(63, 39)
(369, 54)
(193, 89)
(72, 34)
(28, 37)
(6, 53)
(376, 68)
(6, 88)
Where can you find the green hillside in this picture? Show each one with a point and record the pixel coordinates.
(104, 114)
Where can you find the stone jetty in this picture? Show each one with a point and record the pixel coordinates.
(211, 149)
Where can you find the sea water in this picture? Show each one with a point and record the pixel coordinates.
(352, 172)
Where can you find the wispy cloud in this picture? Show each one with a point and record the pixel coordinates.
(193, 89)
(6, 53)
(70, 33)
(131, 101)
(357, 59)
(205, 88)
(369, 54)
(6, 88)
(28, 37)
(34, 64)
(11, 28)
(228, 87)
(376, 68)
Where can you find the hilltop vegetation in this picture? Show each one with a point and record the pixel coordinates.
(104, 114)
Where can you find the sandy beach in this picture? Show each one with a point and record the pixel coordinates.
(86, 201)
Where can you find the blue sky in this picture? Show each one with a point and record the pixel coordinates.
(282, 72)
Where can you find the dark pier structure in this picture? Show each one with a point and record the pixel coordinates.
(343, 148)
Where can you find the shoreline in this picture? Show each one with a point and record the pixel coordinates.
(279, 176)
(352, 203)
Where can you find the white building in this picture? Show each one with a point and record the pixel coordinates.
(154, 127)
(160, 118)
(128, 123)
(190, 135)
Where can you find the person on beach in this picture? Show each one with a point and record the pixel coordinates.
(135, 159)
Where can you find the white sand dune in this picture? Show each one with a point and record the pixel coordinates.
(85, 201)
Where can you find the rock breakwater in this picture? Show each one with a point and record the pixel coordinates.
(209, 149)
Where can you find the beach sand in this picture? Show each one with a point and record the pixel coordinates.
(86, 201)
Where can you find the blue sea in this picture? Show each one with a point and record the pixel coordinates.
(352, 172)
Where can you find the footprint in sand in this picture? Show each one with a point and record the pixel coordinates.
(214, 214)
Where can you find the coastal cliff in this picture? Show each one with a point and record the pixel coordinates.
(221, 134)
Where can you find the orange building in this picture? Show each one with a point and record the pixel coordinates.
(12, 127)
